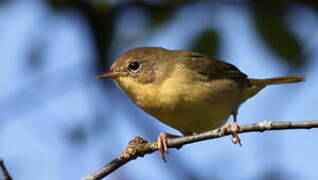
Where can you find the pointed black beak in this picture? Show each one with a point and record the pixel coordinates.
(111, 75)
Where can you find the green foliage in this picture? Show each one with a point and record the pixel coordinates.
(269, 22)
(159, 17)
(268, 17)
(207, 43)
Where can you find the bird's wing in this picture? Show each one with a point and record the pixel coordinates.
(212, 68)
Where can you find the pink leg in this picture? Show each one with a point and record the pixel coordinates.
(162, 145)
(234, 128)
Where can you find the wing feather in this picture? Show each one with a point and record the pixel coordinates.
(213, 68)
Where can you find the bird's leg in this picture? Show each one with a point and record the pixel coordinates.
(234, 128)
(162, 144)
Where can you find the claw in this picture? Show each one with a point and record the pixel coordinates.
(222, 130)
(162, 145)
(235, 138)
(234, 128)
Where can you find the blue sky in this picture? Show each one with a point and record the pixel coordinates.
(40, 104)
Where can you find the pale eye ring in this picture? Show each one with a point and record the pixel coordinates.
(134, 66)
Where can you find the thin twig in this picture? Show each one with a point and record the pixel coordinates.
(139, 147)
(6, 175)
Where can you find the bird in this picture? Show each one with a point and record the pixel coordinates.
(188, 91)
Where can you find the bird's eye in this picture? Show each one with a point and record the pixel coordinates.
(134, 66)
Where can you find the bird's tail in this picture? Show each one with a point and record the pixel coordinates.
(258, 84)
(278, 80)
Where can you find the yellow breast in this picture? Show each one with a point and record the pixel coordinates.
(184, 103)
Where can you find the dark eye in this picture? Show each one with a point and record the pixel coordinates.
(134, 66)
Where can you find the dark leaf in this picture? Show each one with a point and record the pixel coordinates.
(207, 43)
(268, 16)
(160, 17)
(159, 12)
(162, 11)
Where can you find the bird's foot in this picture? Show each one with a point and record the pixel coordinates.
(234, 131)
(162, 145)
(162, 140)
(235, 138)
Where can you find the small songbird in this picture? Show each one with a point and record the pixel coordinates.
(185, 90)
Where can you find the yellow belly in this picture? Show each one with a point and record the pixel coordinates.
(205, 106)
(187, 105)
(193, 119)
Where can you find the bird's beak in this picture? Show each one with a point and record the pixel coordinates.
(111, 75)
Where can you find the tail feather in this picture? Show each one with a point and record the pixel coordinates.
(278, 80)
(258, 84)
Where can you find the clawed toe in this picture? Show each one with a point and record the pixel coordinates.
(235, 138)
(162, 145)
(234, 128)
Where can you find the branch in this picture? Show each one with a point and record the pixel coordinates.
(6, 175)
(138, 147)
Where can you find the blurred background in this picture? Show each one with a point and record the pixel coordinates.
(59, 122)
